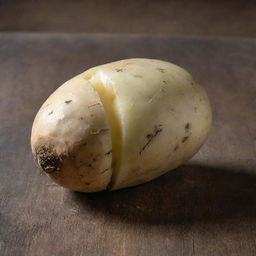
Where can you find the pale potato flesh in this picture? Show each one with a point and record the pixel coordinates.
(153, 115)
(164, 117)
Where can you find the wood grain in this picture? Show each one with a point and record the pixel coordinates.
(207, 207)
(176, 17)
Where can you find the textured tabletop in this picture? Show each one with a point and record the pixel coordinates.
(207, 207)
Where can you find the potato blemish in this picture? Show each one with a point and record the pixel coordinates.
(47, 159)
(184, 139)
(187, 127)
(151, 136)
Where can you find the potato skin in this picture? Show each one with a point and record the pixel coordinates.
(162, 118)
(71, 138)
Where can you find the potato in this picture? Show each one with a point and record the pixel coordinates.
(120, 124)
(71, 138)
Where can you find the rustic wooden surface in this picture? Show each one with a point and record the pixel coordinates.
(207, 207)
(175, 17)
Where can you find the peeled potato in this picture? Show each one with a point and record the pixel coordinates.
(120, 124)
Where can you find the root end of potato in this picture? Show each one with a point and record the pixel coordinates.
(47, 159)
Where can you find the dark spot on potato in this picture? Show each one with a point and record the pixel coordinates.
(201, 99)
(48, 159)
(162, 70)
(94, 159)
(68, 101)
(88, 165)
(150, 137)
(187, 127)
(164, 82)
(50, 112)
(184, 139)
(119, 69)
(176, 148)
(81, 175)
(108, 153)
(191, 83)
(87, 183)
(172, 109)
(81, 118)
(104, 170)
(195, 108)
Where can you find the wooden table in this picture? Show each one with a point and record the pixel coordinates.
(207, 207)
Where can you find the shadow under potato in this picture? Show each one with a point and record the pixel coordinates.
(187, 194)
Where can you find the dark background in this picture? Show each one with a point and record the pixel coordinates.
(177, 17)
